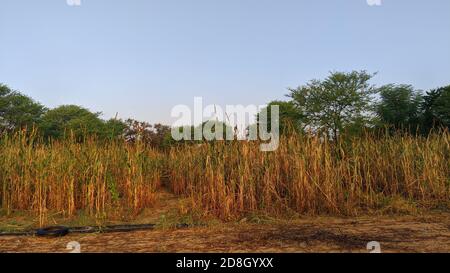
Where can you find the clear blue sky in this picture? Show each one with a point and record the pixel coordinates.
(142, 57)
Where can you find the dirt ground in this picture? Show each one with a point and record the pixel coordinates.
(395, 234)
(426, 233)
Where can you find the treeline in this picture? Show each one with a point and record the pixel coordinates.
(347, 104)
(341, 104)
(20, 112)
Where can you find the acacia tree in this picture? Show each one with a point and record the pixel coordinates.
(341, 100)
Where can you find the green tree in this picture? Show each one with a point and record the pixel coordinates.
(71, 119)
(436, 109)
(290, 117)
(114, 128)
(341, 100)
(161, 136)
(399, 107)
(216, 130)
(18, 111)
(207, 131)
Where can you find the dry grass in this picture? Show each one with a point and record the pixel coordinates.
(66, 176)
(228, 180)
(307, 175)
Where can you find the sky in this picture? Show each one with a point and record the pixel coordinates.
(140, 58)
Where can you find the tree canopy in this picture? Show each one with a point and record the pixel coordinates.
(436, 109)
(71, 118)
(399, 107)
(18, 111)
(328, 106)
(341, 103)
(289, 116)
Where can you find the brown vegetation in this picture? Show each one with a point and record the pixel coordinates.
(228, 180)
(307, 175)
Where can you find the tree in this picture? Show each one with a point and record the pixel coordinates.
(442, 107)
(156, 135)
(290, 118)
(114, 128)
(162, 136)
(328, 106)
(436, 109)
(216, 130)
(137, 131)
(71, 119)
(399, 107)
(18, 111)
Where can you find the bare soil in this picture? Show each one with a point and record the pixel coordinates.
(424, 233)
(402, 234)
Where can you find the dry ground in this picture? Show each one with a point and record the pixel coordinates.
(404, 234)
(426, 233)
